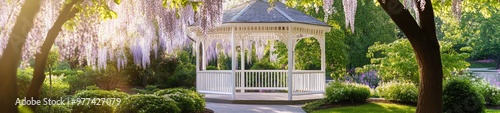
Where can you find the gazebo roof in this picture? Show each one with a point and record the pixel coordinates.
(257, 12)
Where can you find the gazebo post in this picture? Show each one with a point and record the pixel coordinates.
(242, 73)
(290, 63)
(204, 55)
(322, 41)
(233, 64)
(197, 50)
(323, 55)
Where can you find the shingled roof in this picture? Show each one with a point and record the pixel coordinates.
(257, 12)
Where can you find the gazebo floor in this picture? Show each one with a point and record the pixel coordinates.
(262, 98)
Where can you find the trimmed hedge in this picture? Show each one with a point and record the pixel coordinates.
(459, 96)
(189, 101)
(148, 104)
(342, 91)
(398, 91)
(54, 109)
(91, 108)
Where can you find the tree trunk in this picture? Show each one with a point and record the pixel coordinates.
(9, 62)
(426, 47)
(67, 13)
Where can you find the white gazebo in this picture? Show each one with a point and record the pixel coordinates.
(254, 22)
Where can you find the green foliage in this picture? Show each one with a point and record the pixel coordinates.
(198, 102)
(23, 81)
(398, 91)
(78, 82)
(459, 96)
(109, 79)
(53, 58)
(54, 109)
(150, 89)
(342, 91)
(148, 104)
(91, 108)
(59, 88)
(184, 76)
(371, 108)
(262, 66)
(92, 87)
(66, 72)
(396, 61)
(490, 93)
(212, 68)
(311, 106)
(308, 54)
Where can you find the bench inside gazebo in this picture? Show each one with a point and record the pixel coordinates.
(251, 24)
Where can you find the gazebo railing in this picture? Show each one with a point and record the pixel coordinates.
(261, 79)
(308, 82)
(218, 82)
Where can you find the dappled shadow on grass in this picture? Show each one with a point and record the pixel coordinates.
(371, 108)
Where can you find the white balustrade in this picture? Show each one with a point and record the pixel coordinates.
(218, 82)
(304, 81)
(261, 79)
(308, 82)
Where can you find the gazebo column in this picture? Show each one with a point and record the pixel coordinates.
(290, 47)
(323, 55)
(204, 55)
(242, 73)
(233, 64)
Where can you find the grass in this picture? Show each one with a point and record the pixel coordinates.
(378, 108)
(481, 65)
(371, 108)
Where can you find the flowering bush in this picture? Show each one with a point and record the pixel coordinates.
(369, 78)
(490, 93)
(486, 61)
(398, 91)
(343, 91)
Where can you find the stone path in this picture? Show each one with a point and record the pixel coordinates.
(249, 108)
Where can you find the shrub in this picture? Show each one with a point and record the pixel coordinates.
(148, 104)
(59, 88)
(66, 72)
(150, 89)
(54, 109)
(109, 79)
(311, 106)
(184, 76)
(262, 66)
(490, 93)
(91, 108)
(398, 91)
(78, 82)
(23, 81)
(194, 101)
(459, 96)
(212, 68)
(342, 91)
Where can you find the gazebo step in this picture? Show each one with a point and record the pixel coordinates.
(262, 98)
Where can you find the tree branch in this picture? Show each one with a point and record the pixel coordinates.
(67, 13)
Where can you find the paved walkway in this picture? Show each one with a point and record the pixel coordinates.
(248, 108)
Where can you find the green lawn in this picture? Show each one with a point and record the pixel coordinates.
(378, 108)
(481, 65)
